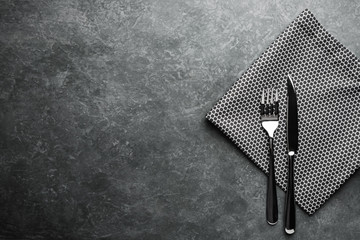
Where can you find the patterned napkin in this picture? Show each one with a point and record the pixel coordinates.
(326, 76)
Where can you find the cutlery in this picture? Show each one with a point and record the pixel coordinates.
(270, 120)
(292, 144)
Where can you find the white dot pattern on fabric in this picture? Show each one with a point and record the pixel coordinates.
(326, 78)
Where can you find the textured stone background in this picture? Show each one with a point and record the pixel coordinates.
(103, 135)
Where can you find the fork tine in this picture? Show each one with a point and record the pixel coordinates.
(267, 105)
(262, 103)
(276, 102)
(272, 101)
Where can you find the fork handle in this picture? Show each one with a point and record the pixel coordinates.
(271, 197)
(290, 199)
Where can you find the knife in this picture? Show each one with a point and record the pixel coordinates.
(292, 144)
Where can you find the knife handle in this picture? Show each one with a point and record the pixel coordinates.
(271, 197)
(290, 198)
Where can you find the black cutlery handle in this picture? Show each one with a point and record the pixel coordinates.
(290, 198)
(271, 197)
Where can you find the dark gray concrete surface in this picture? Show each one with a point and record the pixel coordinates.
(103, 135)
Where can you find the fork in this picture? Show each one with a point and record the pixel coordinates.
(270, 121)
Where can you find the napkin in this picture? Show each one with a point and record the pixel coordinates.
(326, 79)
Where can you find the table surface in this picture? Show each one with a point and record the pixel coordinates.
(103, 134)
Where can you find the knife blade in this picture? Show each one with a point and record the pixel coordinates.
(292, 144)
